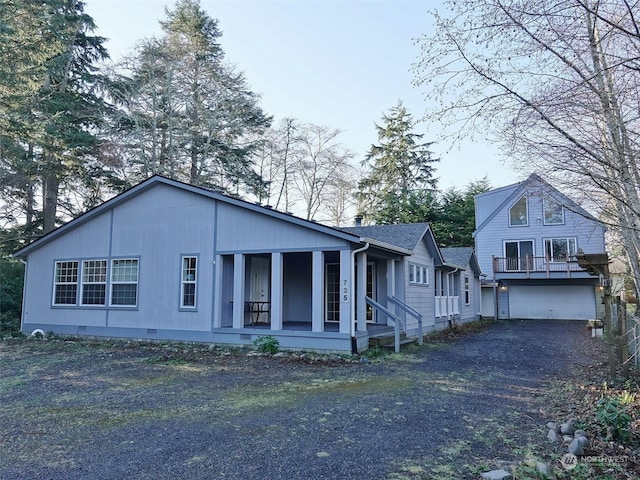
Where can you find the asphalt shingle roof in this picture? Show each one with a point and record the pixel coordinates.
(404, 235)
(459, 256)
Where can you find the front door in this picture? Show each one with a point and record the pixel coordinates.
(259, 289)
(519, 255)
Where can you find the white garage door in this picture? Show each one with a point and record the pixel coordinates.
(575, 302)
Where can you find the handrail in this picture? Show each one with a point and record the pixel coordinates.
(396, 319)
(411, 311)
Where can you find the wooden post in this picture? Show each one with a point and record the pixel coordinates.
(608, 328)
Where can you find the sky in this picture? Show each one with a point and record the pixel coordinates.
(340, 64)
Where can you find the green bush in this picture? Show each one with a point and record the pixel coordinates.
(267, 344)
(11, 280)
(611, 412)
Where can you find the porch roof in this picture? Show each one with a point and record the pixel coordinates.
(405, 235)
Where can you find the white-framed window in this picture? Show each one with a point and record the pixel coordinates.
(189, 278)
(467, 291)
(418, 274)
(519, 214)
(553, 212)
(124, 282)
(560, 249)
(66, 283)
(94, 282)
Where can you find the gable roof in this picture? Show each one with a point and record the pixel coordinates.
(461, 257)
(532, 181)
(159, 180)
(401, 235)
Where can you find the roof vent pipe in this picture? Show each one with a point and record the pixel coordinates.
(358, 220)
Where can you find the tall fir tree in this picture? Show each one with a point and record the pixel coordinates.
(399, 186)
(52, 111)
(193, 116)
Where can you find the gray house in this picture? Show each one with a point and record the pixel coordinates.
(527, 236)
(167, 260)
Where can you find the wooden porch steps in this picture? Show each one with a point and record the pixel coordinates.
(386, 339)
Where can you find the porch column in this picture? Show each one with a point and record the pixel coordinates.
(276, 291)
(218, 268)
(391, 283)
(238, 290)
(361, 282)
(345, 291)
(317, 292)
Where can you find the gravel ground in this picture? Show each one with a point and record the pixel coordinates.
(115, 410)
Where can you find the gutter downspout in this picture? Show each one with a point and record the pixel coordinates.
(354, 349)
(24, 287)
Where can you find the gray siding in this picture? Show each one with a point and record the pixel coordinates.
(248, 231)
(490, 239)
(420, 297)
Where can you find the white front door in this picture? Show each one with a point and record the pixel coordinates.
(259, 289)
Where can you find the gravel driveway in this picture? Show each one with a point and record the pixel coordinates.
(116, 410)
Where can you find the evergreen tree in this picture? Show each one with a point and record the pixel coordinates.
(52, 110)
(399, 186)
(455, 221)
(193, 116)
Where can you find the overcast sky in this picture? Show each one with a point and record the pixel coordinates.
(341, 64)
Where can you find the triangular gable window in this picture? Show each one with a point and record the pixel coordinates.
(518, 213)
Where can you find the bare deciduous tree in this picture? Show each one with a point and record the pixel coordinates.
(556, 82)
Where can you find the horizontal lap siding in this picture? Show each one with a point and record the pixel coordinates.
(420, 297)
(490, 240)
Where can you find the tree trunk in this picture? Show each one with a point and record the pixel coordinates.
(50, 188)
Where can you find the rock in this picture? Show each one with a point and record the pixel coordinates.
(497, 475)
(567, 428)
(578, 445)
(545, 470)
(364, 359)
(212, 347)
(567, 438)
(553, 436)
(552, 426)
(579, 433)
(281, 354)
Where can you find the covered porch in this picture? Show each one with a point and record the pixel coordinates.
(306, 299)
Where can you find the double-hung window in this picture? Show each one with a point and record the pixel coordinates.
(418, 274)
(467, 292)
(124, 282)
(94, 282)
(188, 283)
(66, 283)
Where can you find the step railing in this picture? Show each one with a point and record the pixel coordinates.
(411, 311)
(391, 316)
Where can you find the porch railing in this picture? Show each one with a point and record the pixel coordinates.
(447, 305)
(390, 315)
(529, 264)
(411, 311)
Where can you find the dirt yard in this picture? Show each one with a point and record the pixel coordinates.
(460, 405)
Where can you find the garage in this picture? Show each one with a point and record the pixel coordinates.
(561, 302)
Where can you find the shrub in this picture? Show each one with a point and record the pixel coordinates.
(267, 344)
(611, 412)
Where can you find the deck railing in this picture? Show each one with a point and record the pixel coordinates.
(411, 311)
(397, 327)
(447, 305)
(529, 264)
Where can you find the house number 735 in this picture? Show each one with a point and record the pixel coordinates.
(345, 291)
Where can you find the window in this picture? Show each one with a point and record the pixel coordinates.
(467, 293)
(553, 212)
(518, 215)
(418, 274)
(560, 249)
(66, 283)
(332, 295)
(94, 282)
(519, 255)
(124, 282)
(189, 277)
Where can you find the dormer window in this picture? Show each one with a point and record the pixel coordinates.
(553, 212)
(518, 214)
